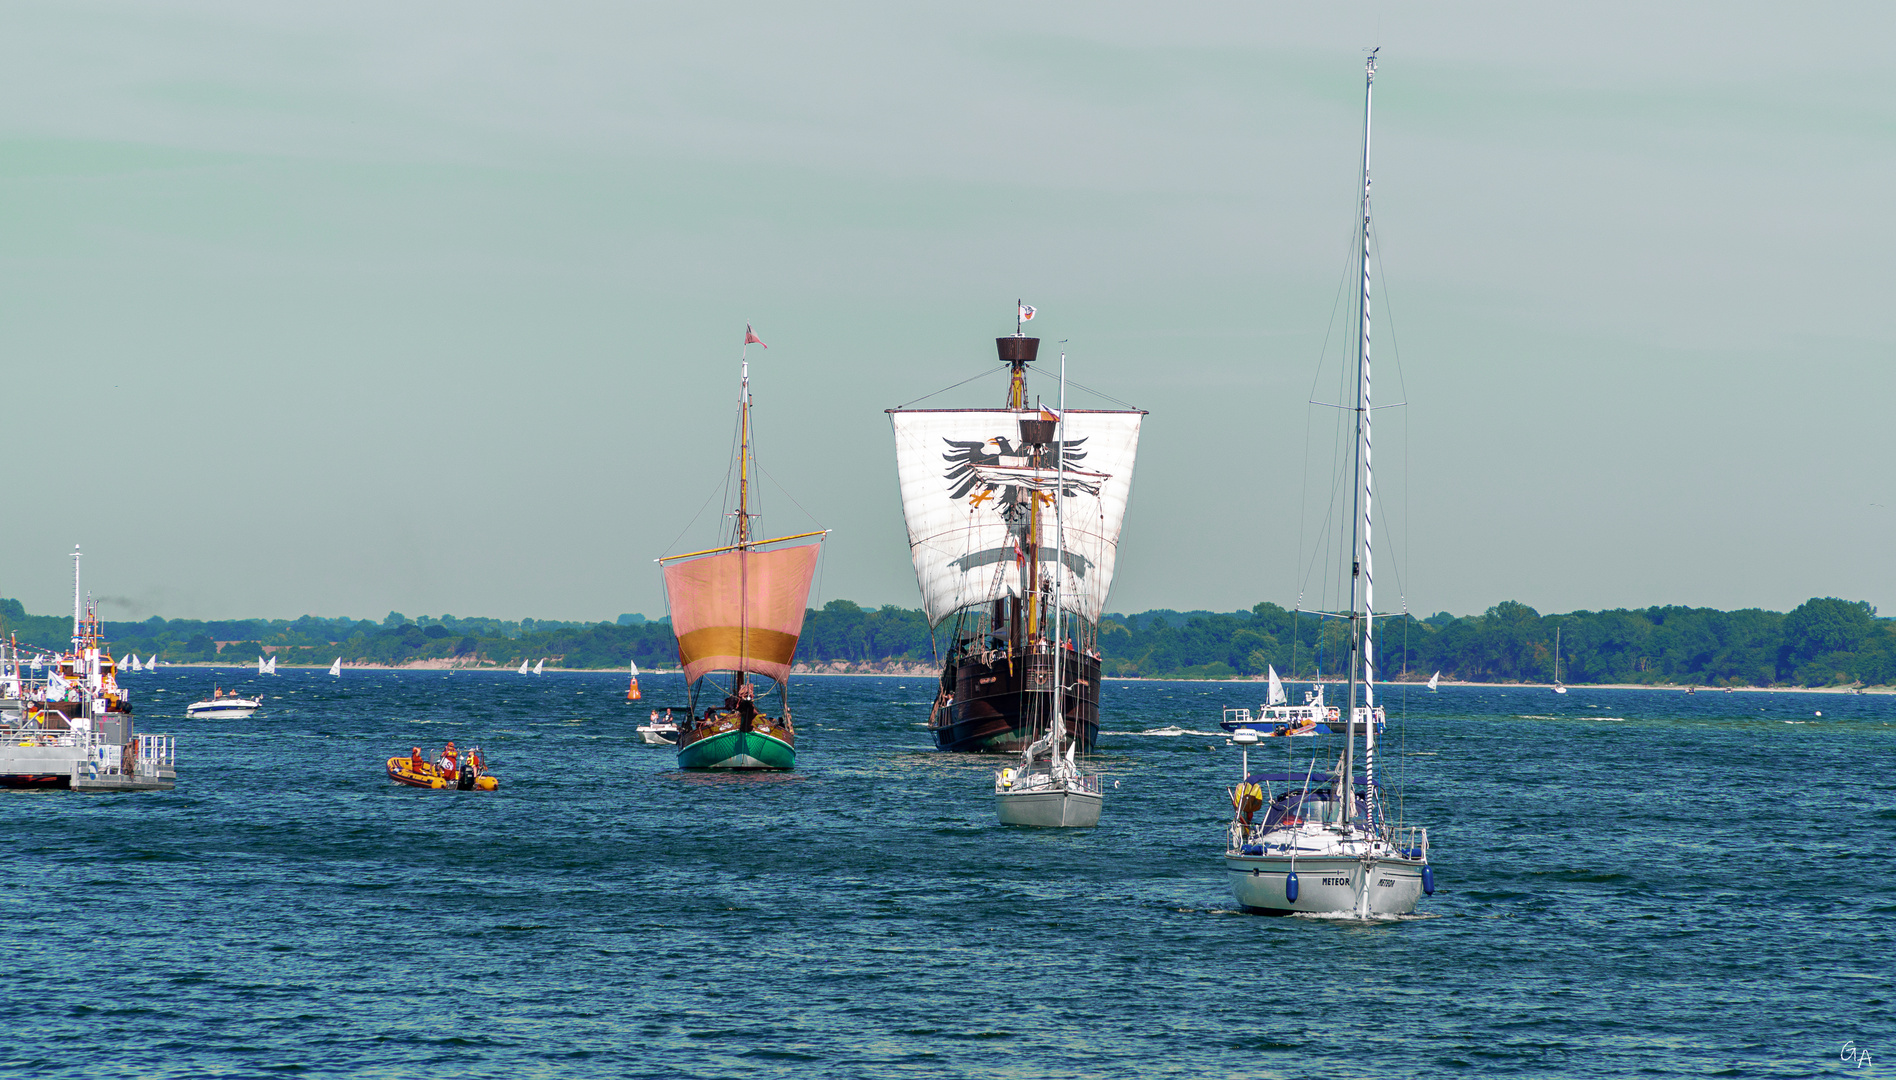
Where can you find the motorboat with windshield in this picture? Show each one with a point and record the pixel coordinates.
(220, 705)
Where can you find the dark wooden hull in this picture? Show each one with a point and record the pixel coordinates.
(1002, 700)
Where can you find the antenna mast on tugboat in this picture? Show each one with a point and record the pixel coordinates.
(76, 602)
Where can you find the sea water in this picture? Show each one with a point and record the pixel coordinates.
(1628, 882)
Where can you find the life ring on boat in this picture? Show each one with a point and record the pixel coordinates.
(1333, 714)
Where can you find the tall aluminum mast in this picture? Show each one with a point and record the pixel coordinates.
(1362, 565)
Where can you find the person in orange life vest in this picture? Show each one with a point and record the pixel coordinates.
(414, 760)
(448, 764)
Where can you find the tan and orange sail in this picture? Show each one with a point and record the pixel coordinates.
(740, 610)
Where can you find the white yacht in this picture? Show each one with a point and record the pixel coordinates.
(220, 704)
(1326, 843)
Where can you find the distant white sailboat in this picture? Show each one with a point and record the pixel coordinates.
(270, 666)
(1059, 794)
(128, 665)
(1558, 689)
(151, 662)
(1433, 679)
(538, 666)
(523, 667)
(1275, 696)
(336, 668)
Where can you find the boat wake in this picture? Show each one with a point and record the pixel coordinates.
(1174, 732)
(1348, 917)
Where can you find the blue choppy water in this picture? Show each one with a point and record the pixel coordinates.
(1631, 882)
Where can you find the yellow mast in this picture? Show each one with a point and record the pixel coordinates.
(743, 459)
(1017, 400)
(743, 510)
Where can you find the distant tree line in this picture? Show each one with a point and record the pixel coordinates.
(1824, 641)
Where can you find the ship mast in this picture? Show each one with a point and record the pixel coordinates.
(1059, 574)
(1017, 352)
(1362, 572)
(743, 507)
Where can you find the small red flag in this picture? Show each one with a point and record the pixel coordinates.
(751, 338)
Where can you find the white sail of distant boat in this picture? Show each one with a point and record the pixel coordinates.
(523, 667)
(129, 664)
(270, 666)
(1276, 694)
(262, 668)
(1433, 679)
(336, 668)
(1558, 689)
(538, 666)
(151, 662)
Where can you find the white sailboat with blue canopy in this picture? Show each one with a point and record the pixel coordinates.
(1325, 844)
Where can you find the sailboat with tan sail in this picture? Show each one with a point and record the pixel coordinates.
(737, 611)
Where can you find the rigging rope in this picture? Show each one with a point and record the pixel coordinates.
(945, 389)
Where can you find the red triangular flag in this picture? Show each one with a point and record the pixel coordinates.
(751, 338)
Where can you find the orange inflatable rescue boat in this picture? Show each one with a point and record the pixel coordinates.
(448, 772)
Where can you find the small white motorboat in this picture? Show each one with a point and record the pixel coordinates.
(220, 704)
(662, 731)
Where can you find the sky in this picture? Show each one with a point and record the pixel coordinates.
(436, 307)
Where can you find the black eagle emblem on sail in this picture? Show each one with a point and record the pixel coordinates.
(964, 482)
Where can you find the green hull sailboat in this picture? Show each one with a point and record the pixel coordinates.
(739, 750)
(737, 611)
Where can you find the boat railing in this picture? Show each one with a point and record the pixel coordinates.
(156, 751)
(1237, 716)
(149, 752)
(1043, 776)
(1410, 841)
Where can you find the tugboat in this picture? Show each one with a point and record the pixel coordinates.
(978, 486)
(737, 611)
(66, 723)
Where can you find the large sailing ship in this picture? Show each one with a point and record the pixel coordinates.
(978, 488)
(737, 611)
